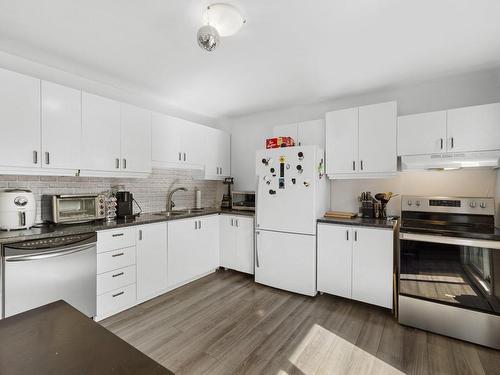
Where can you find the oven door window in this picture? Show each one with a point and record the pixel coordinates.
(77, 209)
(463, 276)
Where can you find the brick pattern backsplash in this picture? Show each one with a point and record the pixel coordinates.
(150, 193)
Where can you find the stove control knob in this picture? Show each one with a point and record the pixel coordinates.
(417, 203)
(472, 204)
(482, 205)
(409, 203)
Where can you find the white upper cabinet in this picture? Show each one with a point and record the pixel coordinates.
(361, 142)
(342, 141)
(305, 133)
(423, 133)
(377, 138)
(100, 133)
(61, 126)
(19, 120)
(474, 128)
(135, 139)
(177, 143)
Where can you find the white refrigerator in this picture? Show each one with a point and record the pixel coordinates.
(292, 193)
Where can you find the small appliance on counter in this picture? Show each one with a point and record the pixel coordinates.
(73, 208)
(124, 205)
(227, 200)
(17, 209)
(243, 200)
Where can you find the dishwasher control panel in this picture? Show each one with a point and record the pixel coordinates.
(55, 242)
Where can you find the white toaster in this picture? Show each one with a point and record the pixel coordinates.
(17, 209)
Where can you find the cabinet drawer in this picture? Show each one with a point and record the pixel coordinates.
(116, 299)
(115, 279)
(115, 239)
(113, 260)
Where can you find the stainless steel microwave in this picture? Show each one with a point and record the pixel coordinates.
(73, 208)
(243, 200)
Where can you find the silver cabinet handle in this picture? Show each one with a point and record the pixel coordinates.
(47, 157)
(452, 142)
(221, 170)
(118, 274)
(35, 157)
(117, 163)
(232, 222)
(441, 143)
(237, 224)
(257, 262)
(180, 156)
(196, 224)
(184, 156)
(117, 235)
(117, 255)
(361, 164)
(347, 234)
(140, 234)
(199, 225)
(355, 235)
(118, 294)
(353, 165)
(124, 161)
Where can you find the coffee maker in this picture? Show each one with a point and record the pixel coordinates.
(226, 198)
(124, 205)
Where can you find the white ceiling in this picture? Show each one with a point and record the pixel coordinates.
(290, 52)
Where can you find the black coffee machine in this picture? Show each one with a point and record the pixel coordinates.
(124, 205)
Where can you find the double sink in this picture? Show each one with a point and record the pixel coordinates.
(188, 211)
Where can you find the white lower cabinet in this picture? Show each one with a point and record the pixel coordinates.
(151, 260)
(193, 249)
(356, 262)
(237, 243)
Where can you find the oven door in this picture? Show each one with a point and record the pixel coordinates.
(76, 209)
(460, 272)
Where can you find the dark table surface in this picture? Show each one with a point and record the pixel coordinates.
(58, 339)
(56, 230)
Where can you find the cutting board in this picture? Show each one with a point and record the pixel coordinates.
(340, 215)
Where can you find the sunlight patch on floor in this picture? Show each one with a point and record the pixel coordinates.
(324, 352)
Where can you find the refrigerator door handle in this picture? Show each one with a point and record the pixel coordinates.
(257, 263)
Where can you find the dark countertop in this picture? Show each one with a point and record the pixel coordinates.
(361, 222)
(58, 339)
(55, 230)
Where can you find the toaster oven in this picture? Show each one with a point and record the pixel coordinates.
(243, 200)
(73, 208)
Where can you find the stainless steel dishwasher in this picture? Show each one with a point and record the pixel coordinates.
(38, 272)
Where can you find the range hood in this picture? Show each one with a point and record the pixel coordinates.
(451, 160)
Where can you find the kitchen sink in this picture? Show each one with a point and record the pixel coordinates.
(180, 212)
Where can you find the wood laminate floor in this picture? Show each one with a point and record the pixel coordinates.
(227, 324)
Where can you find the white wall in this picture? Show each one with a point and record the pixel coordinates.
(112, 90)
(250, 132)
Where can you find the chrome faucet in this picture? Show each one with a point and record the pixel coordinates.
(170, 203)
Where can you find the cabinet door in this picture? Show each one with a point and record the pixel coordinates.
(135, 139)
(61, 126)
(342, 141)
(207, 245)
(335, 260)
(151, 260)
(224, 152)
(372, 266)
(100, 133)
(19, 120)
(377, 138)
(287, 130)
(423, 133)
(193, 148)
(474, 128)
(244, 244)
(228, 258)
(312, 133)
(166, 139)
(181, 263)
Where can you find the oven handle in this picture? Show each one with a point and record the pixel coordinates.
(451, 240)
(49, 254)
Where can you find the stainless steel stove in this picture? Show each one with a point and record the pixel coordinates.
(449, 267)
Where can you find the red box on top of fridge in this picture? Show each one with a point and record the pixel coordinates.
(278, 142)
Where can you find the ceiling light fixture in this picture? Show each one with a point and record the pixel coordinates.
(218, 20)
